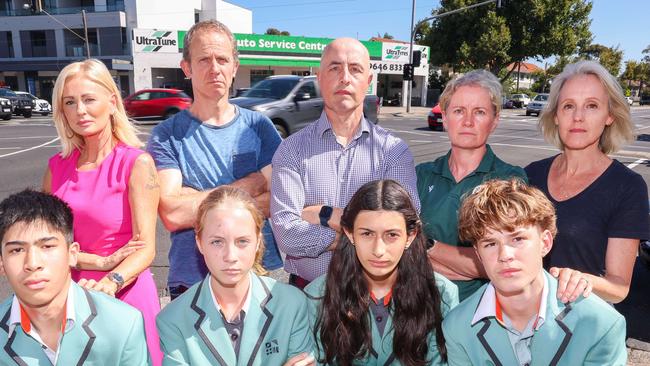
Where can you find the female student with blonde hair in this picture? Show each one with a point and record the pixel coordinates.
(235, 316)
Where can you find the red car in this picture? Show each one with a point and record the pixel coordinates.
(435, 119)
(156, 103)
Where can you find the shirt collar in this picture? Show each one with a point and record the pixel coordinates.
(488, 306)
(19, 317)
(247, 301)
(386, 298)
(323, 125)
(485, 166)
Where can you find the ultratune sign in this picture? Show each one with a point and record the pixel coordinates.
(158, 41)
(399, 52)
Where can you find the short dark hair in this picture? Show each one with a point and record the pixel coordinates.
(31, 206)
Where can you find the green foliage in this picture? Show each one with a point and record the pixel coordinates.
(487, 37)
(276, 32)
(609, 57)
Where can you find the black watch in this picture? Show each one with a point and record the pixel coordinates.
(117, 279)
(325, 214)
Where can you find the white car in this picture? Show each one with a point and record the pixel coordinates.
(42, 106)
(5, 109)
(521, 100)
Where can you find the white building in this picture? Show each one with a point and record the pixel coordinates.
(34, 47)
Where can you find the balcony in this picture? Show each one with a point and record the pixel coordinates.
(118, 6)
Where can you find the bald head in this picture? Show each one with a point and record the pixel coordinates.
(344, 76)
(347, 45)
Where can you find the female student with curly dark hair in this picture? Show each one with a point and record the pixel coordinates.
(380, 302)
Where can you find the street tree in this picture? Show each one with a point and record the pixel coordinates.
(491, 37)
(276, 32)
(609, 57)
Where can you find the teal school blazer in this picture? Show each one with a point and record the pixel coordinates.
(276, 327)
(382, 347)
(586, 332)
(106, 332)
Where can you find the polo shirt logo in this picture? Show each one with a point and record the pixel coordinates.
(431, 187)
(271, 347)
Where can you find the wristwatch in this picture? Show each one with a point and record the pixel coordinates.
(325, 214)
(117, 279)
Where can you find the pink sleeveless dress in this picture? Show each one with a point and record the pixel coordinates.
(99, 200)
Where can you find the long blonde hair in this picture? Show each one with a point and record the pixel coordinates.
(95, 71)
(228, 194)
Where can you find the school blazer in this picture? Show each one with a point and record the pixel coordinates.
(276, 327)
(586, 332)
(381, 353)
(106, 331)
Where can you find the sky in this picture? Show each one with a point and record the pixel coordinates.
(622, 23)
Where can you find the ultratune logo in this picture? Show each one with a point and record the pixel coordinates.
(397, 52)
(155, 41)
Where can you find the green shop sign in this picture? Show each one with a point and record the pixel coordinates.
(286, 45)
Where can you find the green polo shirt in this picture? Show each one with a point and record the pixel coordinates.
(440, 198)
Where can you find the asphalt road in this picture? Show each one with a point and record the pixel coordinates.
(26, 145)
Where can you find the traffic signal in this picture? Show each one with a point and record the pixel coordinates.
(407, 72)
(417, 57)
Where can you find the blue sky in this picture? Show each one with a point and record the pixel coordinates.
(614, 22)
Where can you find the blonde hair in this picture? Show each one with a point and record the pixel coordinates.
(227, 194)
(504, 205)
(621, 130)
(95, 71)
(480, 78)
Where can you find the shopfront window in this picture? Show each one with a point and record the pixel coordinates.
(258, 75)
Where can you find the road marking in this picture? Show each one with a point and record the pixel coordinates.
(423, 141)
(26, 137)
(632, 165)
(31, 148)
(412, 132)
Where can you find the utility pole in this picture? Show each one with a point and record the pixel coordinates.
(409, 82)
(83, 16)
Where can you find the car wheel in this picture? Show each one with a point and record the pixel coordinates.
(170, 112)
(528, 113)
(7, 117)
(27, 114)
(282, 131)
(44, 114)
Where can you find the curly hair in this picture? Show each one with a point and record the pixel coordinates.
(504, 205)
(343, 323)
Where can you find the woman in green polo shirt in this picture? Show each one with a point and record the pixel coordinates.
(470, 111)
(380, 302)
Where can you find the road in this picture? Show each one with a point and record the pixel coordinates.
(26, 144)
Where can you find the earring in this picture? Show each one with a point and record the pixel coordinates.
(112, 123)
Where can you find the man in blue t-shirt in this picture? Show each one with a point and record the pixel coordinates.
(211, 144)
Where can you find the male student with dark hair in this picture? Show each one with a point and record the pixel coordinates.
(50, 319)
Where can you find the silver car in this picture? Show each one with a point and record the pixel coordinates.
(537, 104)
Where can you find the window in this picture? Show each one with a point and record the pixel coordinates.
(300, 72)
(143, 96)
(10, 44)
(38, 43)
(308, 88)
(257, 75)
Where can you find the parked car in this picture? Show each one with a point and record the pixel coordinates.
(5, 109)
(434, 118)
(156, 103)
(292, 102)
(22, 105)
(41, 106)
(537, 104)
(629, 101)
(507, 103)
(520, 100)
(645, 99)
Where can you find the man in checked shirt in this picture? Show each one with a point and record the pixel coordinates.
(317, 170)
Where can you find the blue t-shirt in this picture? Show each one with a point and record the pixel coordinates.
(207, 157)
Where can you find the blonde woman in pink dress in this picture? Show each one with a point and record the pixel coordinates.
(111, 186)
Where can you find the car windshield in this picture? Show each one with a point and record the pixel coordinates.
(271, 88)
(7, 93)
(541, 98)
